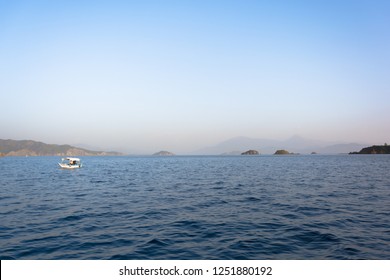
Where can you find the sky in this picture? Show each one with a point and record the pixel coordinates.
(144, 76)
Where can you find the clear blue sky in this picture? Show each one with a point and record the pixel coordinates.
(142, 76)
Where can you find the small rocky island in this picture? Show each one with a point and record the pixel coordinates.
(164, 153)
(385, 149)
(283, 152)
(251, 153)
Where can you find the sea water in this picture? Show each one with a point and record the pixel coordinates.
(238, 207)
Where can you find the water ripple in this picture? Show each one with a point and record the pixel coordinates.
(301, 207)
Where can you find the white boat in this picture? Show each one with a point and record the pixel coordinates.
(70, 163)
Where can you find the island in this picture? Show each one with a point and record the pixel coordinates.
(163, 153)
(384, 149)
(282, 152)
(251, 153)
(33, 148)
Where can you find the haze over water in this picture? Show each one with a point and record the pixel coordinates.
(262, 207)
(144, 76)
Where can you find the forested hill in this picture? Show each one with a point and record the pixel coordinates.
(34, 148)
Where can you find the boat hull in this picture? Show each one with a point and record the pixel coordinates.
(67, 166)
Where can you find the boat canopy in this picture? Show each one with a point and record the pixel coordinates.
(71, 159)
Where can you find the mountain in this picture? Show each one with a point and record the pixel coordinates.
(34, 148)
(236, 144)
(295, 144)
(341, 148)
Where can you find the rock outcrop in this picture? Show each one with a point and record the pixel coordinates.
(251, 153)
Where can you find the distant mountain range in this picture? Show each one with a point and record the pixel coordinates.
(295, 144)
(234, 146)
(34, 148)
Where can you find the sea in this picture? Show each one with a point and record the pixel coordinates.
(299, 207)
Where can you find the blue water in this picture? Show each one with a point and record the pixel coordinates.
(243, 207)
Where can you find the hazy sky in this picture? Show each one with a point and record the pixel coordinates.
(143, 76)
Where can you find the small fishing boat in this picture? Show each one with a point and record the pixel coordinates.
(70, 163)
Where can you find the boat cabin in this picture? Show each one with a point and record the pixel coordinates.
(70, 163)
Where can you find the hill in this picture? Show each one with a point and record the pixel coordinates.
(34, 148)
(385, 149)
